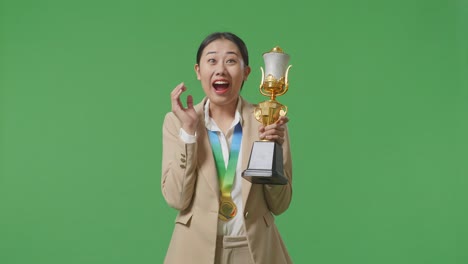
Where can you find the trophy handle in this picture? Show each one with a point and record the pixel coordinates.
(283, 110)
(263, 77)
(261, 83)
(286, 82)
(258, 114)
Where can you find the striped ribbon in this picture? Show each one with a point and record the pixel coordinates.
(227, 172)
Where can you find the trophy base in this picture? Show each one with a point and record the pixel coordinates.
(265, 164)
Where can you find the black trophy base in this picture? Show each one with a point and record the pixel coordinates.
(265, 164)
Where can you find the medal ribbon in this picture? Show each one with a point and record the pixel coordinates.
(226, 175)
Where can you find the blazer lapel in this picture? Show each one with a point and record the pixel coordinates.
(206, 163)
(249, 131)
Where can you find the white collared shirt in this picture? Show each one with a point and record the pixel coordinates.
(235, 226)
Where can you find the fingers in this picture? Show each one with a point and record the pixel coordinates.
(273, 134)
(175, 97)
(275, 131)
(261, 129)
(282, 120)
(279, 123)
(189, 102)
(178, 90)
(187, 116)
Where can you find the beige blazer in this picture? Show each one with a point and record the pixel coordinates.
(190, 184)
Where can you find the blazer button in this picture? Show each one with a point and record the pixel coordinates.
(182, 155)
(246, 214)
(182, 166)
(182, 160)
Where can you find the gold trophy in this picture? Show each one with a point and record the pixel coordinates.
(266, 157)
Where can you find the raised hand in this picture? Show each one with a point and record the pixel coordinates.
(187, 116)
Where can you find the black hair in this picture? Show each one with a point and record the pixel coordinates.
(225, 35)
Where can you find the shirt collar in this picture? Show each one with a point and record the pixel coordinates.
(210, 124)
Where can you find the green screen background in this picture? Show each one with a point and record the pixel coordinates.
(378, 104)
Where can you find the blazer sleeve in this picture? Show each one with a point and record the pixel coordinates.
(278, 197)
(178, 165)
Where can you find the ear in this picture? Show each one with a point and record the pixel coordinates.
(246, 72)
(197, 71)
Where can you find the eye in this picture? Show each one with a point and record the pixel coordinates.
(211, 61)
(231, 61)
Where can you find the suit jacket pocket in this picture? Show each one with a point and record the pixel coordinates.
(184, 218)
(269, 218)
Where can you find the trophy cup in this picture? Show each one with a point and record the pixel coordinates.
(266, 157)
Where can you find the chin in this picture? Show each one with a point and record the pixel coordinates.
(223, 100)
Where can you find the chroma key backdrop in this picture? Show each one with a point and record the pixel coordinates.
(378, 108)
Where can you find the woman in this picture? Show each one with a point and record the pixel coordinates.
(199, 168)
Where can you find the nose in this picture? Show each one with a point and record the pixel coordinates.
(220, 69)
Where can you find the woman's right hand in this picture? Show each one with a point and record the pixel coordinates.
(187, 116)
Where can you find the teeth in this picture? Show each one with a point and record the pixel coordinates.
(221, 82)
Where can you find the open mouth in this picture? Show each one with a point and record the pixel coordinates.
(220, 86)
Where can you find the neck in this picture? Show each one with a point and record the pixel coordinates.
(223, 115)
(223, 111)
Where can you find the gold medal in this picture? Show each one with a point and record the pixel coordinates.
(227, 209)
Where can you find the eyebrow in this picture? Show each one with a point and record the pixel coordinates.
(214, 52)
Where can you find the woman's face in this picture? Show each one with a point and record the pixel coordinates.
(221, 72)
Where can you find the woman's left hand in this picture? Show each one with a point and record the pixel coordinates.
(274, 132)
